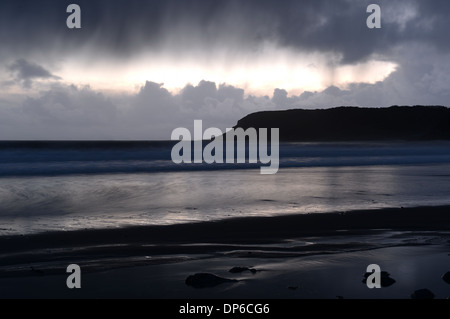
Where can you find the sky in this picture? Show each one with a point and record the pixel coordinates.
(138, 69)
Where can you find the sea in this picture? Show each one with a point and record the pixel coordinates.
(74, 185)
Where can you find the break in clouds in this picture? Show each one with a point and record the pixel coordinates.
(139, 69)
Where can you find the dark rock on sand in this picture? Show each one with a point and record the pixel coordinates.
(446, 277)
(386, 280)
(422, 294)
(204, 280)
(238, 270)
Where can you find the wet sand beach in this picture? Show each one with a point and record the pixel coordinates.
(295, 256)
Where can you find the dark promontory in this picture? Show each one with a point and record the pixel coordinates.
(355, 123)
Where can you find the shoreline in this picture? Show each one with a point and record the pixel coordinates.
(242, 229)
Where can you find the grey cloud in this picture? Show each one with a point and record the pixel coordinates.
(194, 96)
(69, 105)
(340, 26)
(71, 112)
(207, 92)
(150, 113)
(280, 97)
(63, 112)
(123, 28)
(25, 72)
(228, 91)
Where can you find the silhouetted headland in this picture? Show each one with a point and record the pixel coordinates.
(355, 123)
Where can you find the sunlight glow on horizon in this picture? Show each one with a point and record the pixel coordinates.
(258, 77)
(259, 72)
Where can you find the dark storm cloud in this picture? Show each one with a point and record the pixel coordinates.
(340, 26)
(121, 28)
(25, 72)
(109, 27)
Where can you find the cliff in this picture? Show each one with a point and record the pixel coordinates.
(355, 123)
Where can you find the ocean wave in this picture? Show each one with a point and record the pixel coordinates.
(65, 158)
